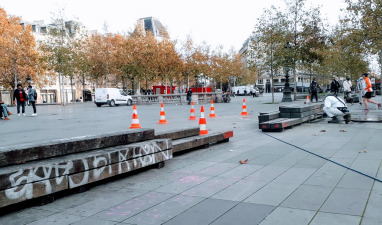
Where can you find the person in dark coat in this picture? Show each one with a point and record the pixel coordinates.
(335, 86)
(189, 96)
(21, 98)
(313, 90)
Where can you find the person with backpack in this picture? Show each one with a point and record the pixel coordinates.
(21, 97)
(32, 94)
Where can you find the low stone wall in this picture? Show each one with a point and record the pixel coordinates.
(32, 180)
(178, 98)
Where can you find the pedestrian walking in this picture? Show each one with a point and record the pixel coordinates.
(335, 86)
(313, 90)
(189, 95)
(32, 96)
(20, 97)
(367, 92)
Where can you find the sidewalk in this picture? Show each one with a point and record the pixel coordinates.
(280, 184)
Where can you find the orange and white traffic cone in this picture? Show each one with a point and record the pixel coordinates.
(212, 109)
(202, 123)
(162, 118)
(307, 100)
(135, 119)
(192, 112)
(244, 109)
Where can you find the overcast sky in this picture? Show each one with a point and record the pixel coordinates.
(225, 22)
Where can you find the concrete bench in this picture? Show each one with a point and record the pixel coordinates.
(44, 170)
(178, 134)
(40, 178)
(199, 141)
(25, 153)
(289, 116)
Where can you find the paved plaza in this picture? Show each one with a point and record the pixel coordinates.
(280, 184)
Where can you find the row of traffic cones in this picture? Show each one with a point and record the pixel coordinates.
(192, 111)
(162, 120)
(202, 120)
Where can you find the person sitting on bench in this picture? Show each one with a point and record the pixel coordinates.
(4, 111)
(335, 106)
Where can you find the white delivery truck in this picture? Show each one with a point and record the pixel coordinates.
(112, 97)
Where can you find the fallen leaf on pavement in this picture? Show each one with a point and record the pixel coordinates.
(363, 151)
(243, 162)
(342, 130)
(322, 130)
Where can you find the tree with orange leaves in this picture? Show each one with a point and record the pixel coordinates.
(19, 57)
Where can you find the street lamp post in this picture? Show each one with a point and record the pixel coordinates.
(287, 93)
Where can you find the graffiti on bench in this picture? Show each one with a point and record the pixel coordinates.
(70, 174)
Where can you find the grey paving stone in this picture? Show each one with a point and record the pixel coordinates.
(158, 181)
(347, 153)
(272, 194)
(335, 219)
(210, 187)
(241, 171)
(250, 155)
(193, 167)
(307, 197)
(290, 159)
(183, 184)
(245, 213)
(164, 211)
(132, 207)
(295, 175)
(24, 216)
(272, 150)
(287, 216)
(367, 166)
(329, 175)
(264, 160)
(58, 219)
(374, 205)
(65, 203)
(355, 180)
(267, 173)
(240, 190)
(371, 221)
(311, 161)
(218, 169)
(103, 203)
(91, 221)
(347, 201)
(203, 213)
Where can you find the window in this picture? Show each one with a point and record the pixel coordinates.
(260, 81)
(148, 25)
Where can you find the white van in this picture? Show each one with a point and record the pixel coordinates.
(112, 97)
(241, 90)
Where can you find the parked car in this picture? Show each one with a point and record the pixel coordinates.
(112, 97)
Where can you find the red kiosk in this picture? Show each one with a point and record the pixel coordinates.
(160, 90)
